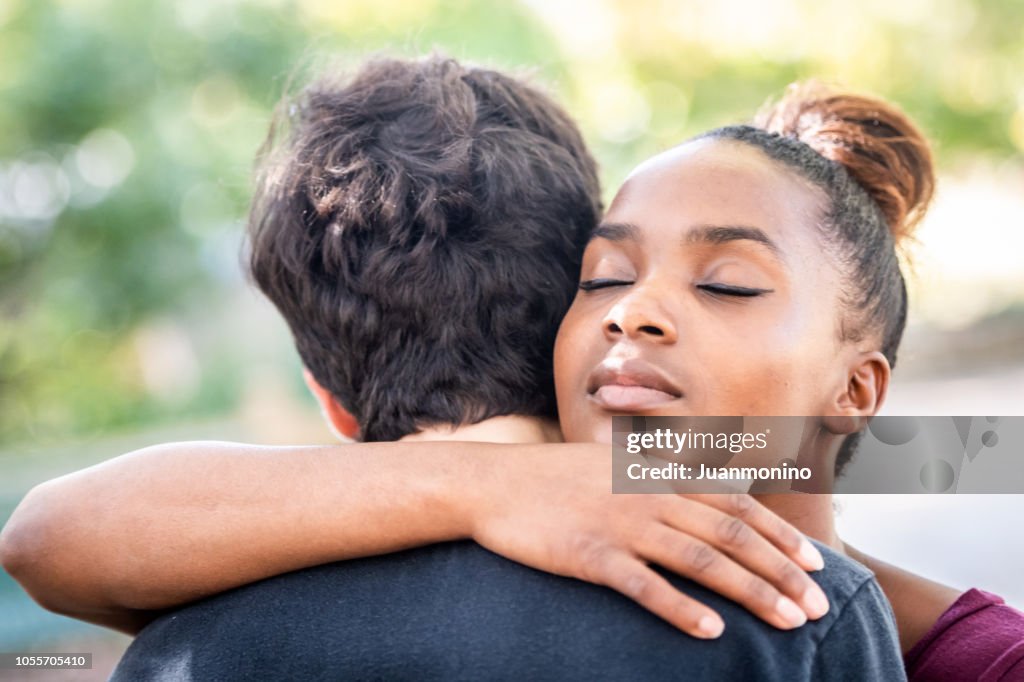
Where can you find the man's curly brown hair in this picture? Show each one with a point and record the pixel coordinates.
(420, 228)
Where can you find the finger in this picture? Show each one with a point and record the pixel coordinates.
(769, 524)
(637, 581)
(750, 549)
(699, 561)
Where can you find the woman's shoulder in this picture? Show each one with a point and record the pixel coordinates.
(978, 637)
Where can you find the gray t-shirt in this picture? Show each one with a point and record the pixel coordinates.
(456, 611)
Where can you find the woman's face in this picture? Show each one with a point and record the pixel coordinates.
(707, 290)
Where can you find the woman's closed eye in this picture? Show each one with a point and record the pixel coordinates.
(603, 283)
(732, 290)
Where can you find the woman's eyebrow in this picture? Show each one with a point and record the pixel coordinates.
(722, 234)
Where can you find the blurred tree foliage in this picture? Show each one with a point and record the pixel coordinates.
(128, 131)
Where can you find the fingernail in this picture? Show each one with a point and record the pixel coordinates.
(815, 602)
(710, 627)
(811, 556)
(792, 614)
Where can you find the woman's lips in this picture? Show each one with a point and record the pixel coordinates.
(619, 398)
(631, 385)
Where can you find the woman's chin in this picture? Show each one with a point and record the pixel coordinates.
(602, 431)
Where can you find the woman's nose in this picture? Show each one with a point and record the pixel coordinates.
(639, 316)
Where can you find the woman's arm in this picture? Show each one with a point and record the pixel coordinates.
(162, 526)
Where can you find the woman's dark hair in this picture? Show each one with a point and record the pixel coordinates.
(420, 228)
(876, 171)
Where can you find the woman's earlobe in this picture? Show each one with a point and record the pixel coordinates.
(844, 424)
(863, 395)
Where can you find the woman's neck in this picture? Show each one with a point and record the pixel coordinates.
(812, 514)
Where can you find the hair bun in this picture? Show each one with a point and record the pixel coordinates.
(876, 142)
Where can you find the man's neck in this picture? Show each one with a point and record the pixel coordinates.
(505, 429)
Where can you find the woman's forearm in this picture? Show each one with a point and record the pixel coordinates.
(169, 524)
(160, 527)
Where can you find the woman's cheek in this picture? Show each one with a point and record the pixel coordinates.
(784, 387)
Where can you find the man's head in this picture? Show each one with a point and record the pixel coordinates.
(420, 229)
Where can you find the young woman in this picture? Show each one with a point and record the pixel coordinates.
(751, 271)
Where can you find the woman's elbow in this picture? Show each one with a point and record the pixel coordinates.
(13, 550)
(30, 549)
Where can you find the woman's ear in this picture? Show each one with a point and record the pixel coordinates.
(340, 419)
(867, 383)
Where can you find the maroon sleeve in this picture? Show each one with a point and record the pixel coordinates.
(979, 637)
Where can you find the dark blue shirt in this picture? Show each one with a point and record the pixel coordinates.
(456, 611)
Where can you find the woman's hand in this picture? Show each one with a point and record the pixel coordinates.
(558, 514)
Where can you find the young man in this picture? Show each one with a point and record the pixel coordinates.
(421, 232)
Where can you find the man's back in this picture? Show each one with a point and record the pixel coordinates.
(457, 611)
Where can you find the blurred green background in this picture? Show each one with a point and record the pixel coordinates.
(127, 132)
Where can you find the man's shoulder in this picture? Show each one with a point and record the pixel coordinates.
(842, 577)
(857, 639)
(458, 611)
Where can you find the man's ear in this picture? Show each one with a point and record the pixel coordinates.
(867, 382)
(340, 419)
